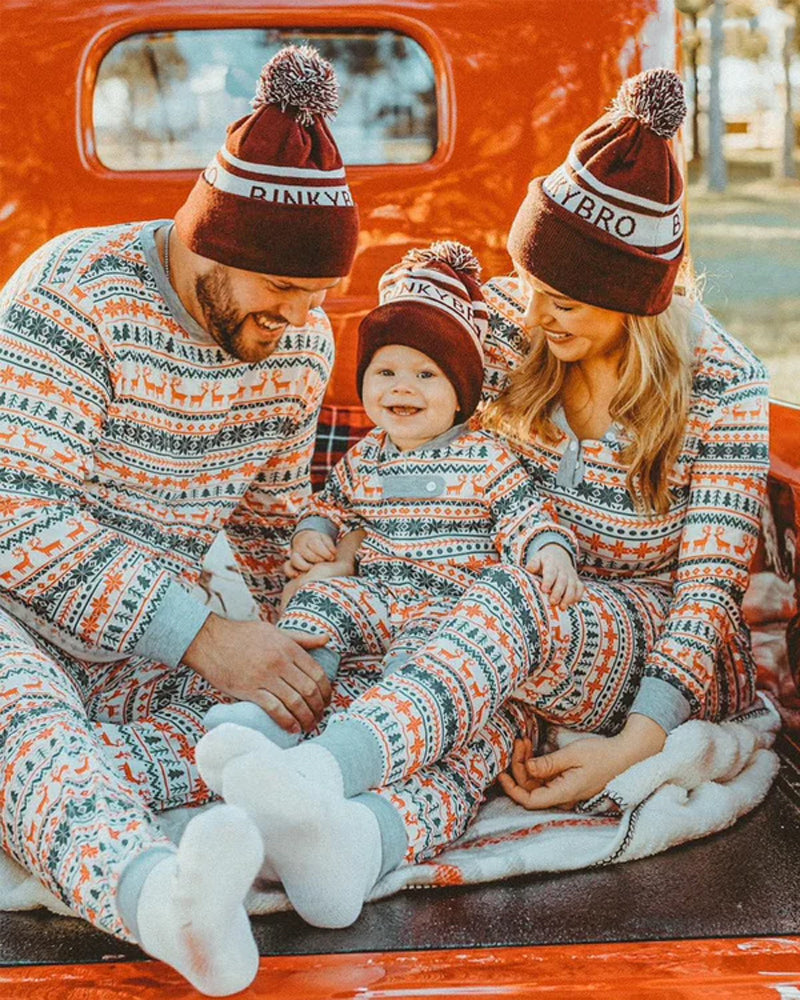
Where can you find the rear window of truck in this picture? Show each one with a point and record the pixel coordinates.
(163, 99)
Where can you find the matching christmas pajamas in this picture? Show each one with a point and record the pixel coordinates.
(660, 630)
(435, 519)
(127, 440)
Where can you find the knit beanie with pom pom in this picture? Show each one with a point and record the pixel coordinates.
(607, 226)
(275, 198)
(432, 301)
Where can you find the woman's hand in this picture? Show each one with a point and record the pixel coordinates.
(580, 770)
(309, 548)
(560, 580)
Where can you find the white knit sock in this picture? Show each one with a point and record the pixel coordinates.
(222, 744)
(190, 911)
(228, 741)
(325, 849)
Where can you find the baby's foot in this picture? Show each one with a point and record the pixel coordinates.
(250, 716)
(224, 743)
(324, 848)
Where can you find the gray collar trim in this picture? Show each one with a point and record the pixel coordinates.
(170, 296)
(390, 449)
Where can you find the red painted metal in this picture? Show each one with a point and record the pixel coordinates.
(743, 969)
(516, 81)
(784, 432)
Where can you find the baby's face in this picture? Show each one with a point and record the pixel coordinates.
(408, 395)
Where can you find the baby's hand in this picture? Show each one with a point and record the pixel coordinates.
(308, 548)
(560, 580)
(319, 571)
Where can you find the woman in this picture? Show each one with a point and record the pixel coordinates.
(646, 425)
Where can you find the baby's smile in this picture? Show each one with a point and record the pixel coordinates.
(404, 411)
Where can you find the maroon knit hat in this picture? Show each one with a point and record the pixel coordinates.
(275, 198)
(432, 301)
(607, 226)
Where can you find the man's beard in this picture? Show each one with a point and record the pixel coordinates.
(223, 321)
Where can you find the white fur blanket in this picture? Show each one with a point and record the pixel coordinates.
(706, 777)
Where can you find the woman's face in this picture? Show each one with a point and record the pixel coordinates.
(574, 330)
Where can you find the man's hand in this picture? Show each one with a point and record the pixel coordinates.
(308, 549)
(580, 770)
(560, 580)
(254, 661)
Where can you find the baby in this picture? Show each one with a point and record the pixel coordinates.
(438, 502)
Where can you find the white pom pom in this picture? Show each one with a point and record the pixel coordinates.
(456, 255)
(656, 98)
(300, 81)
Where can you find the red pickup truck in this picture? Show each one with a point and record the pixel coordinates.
(109, 108)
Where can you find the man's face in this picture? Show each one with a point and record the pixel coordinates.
(247, 313)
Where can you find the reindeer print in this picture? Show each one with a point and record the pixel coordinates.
(177, 396)
(456, 489)
(281, 385)
(699, 544)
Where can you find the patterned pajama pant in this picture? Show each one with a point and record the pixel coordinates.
(364, 617)
(389, 624)
(580, 667)
(87, 751)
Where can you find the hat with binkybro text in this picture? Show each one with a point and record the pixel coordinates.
(606, 227)
(432, 301)
(275, 198)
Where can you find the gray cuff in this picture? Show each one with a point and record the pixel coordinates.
(661, 702)
(316, 523)
(394, 839)
(129, 887)
(547, 537)
(357, 753)
(175, 624)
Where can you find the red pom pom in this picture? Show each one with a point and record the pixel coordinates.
(300, 81)
(656, 98)
(456, 255)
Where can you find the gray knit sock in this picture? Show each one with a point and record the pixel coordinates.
(131, 882)
(394, 839)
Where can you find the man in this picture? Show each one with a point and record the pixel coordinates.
(159, 381)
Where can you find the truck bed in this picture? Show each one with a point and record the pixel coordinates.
(742, 883)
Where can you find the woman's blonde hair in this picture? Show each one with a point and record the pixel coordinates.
(651, 402)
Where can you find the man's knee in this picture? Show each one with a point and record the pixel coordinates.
(29, 676)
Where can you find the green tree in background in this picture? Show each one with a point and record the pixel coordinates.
(787, 168)
(708, 36)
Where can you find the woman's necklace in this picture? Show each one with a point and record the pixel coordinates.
(166, 255)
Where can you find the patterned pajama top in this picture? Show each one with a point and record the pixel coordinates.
(438, 515)
(702, 547)
(128, 438)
